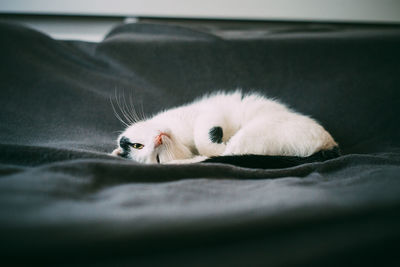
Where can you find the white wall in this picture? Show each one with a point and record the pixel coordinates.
(304, 10)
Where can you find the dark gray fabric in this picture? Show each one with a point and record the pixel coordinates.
(64, 200)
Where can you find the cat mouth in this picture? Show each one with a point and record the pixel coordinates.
(158, 159)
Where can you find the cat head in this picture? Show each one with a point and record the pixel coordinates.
(150, 142)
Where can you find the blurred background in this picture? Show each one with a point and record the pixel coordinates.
(90, 20)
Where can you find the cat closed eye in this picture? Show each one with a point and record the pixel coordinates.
(137, 146)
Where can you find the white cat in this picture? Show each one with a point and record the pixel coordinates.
(223, 124)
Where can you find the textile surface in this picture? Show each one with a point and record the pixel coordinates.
(63, 199)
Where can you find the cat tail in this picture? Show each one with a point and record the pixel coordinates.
(274, 162)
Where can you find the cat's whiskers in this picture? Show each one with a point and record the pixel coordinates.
(124, 109)
(133, 110)
(123, 113)
(117, 114)
(122, 105)
(142, 112)
(128, 107)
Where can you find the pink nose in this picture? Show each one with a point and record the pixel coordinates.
(158, 141)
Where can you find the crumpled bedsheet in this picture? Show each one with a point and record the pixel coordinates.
(63, 199)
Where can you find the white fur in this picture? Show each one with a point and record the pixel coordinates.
(252, 124)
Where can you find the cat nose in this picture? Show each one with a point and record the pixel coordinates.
(124, 143)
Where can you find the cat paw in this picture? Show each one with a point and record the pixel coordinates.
(236, 148)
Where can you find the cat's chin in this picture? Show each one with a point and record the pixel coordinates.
(116, 152)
